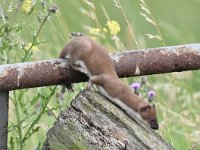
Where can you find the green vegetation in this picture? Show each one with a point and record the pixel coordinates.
(35, 30)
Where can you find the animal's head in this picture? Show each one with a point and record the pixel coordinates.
(148, 114)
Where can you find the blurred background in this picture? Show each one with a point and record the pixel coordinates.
(139, 24)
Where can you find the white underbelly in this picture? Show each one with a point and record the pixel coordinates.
(117, 101)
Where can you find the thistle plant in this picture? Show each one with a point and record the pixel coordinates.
(151, 94)
(136, 86)
(29, 106)
(142, 89)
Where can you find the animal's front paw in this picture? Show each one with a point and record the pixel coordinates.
(90, 86)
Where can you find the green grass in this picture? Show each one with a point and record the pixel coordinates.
(178, 94)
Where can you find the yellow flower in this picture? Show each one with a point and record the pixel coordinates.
(27, 6)
(105, 30)
(113, 26)
(34, 48)
(94, 31)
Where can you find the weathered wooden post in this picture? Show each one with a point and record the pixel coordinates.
(94, 123)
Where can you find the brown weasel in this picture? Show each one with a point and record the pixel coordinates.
(91, 58)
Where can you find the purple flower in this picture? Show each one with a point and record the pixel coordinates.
(136, 86)
(151, 95)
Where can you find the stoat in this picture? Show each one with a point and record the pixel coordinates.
(91, 58)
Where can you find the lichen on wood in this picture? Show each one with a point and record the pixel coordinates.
(94, 123)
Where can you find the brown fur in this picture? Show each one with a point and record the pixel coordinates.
(118, 89)
(90, 52)
(103, 74)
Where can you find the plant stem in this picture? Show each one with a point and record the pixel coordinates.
(39, 115)
(129, 25)
(35, 37)
(157, 28)
(182, 110)
(19, 125)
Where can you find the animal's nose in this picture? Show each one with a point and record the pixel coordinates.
(154, 124)
(155, 127)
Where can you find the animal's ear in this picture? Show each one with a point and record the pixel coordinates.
(145, 108)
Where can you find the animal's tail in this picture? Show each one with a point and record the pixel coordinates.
(67, 86)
